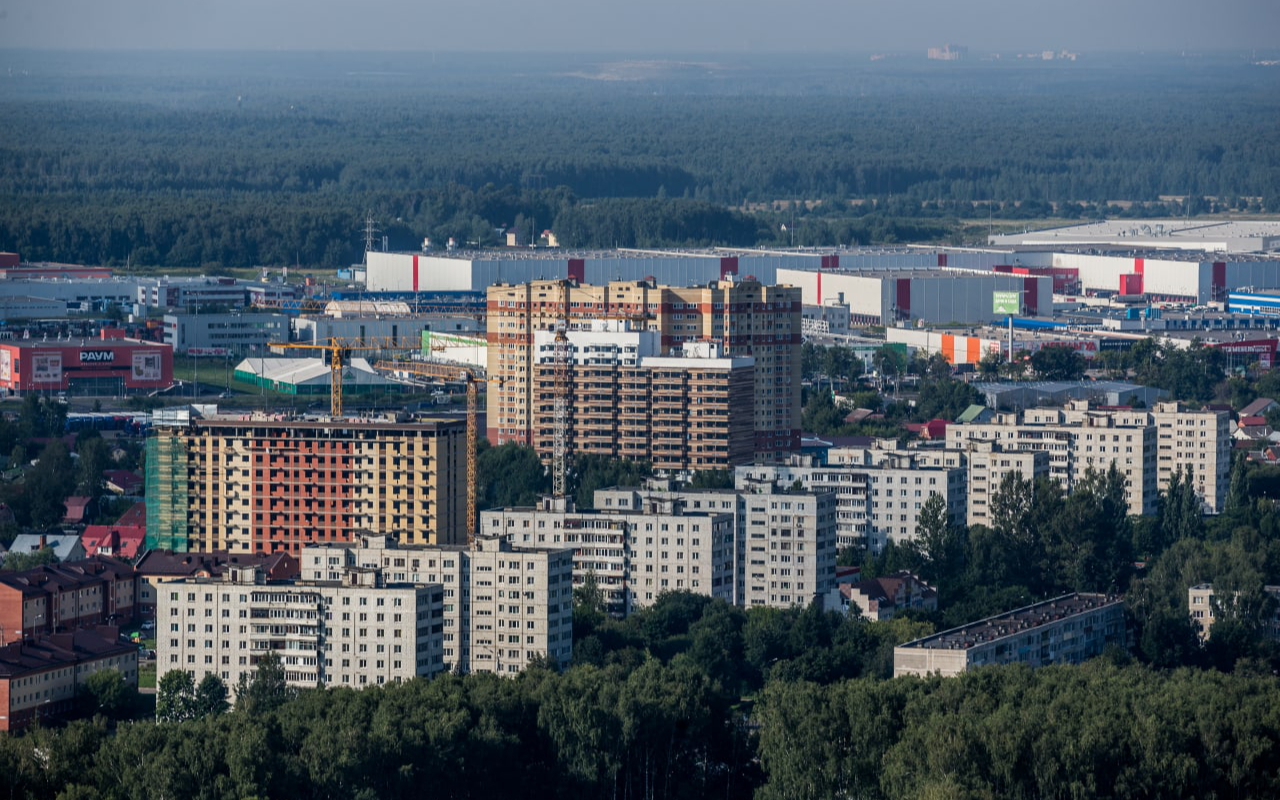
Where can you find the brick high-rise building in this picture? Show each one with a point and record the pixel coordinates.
(265, 484)
(746, 318)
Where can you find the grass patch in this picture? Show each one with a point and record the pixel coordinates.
(147, 677)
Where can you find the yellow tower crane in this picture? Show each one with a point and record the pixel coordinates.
(340, 350)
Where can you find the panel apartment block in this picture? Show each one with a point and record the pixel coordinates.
(879, 493)
(356, 631)
(1198, 441)
(787, 550)
(504, 606)
(635, 551)
(988, 464)
(746, 318)
(1064, 630)
(1076, 439)
(274, 484)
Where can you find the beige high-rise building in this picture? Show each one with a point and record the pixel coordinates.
(268, 484)
(1198, 441)
(503, 606)
(989, 463)
(358, 630)
(635, 547)
(746, 318)
(1078, 438)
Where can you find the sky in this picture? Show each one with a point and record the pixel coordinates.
(641, 26)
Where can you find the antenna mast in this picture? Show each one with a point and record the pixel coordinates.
(371, 229)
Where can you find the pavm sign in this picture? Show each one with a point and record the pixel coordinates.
(97, 356)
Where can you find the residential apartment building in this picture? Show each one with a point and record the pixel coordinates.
(635, 547)
(359, 630)
(787, 547)
(40, 678)
(57, 598)
(1064, 630)
(747, 319)
(275, 484)
(1198, 441)
(1200, 600)
(879, 491)
(685, 412)
(1077, 438)
(988, 464)
(503, 606)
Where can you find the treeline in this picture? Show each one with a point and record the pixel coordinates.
(119, 176)
(1093, 731)
(1098, 730)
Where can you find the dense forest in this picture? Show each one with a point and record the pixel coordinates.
(277, 159)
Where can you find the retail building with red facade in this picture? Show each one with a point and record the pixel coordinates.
(84, 366)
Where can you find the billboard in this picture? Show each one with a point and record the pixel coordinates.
(46, 367)
(1006, 302)
(6, 366)
(146, 366)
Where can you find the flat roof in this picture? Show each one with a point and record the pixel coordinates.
(418, 423)
(1014, 622)
(1237, 236)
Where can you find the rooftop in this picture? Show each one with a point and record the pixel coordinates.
(1014, 622)
(61, 649)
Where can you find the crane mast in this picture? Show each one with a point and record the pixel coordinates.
(560, 432)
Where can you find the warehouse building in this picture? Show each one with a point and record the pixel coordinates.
(85, 366)
(892, 297)
(224, 335)
(1227, 236)
(312, 376)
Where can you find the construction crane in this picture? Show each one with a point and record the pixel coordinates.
(560, 429)
(473, 441)
(340, 350)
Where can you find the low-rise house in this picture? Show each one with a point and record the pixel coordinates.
(66, 547)
(883, 598)
(77, 509)
(41, 677)
(123, 481)
(1259, 407)
(121, 541)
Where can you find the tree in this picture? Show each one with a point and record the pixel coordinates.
(210, 696)
(94, 460)
(175, 697)
(266, 691)
(1058, 363)
(990, 365)
(48, 484)
(16, 562)
(712, 479)
(510, 475)
(105, 692)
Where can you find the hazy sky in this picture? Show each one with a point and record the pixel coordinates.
(734, 26)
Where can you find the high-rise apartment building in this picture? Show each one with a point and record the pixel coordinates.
(503, 606)
(359, 630)
(746, 318)
(787, 549)
(635, 547)
(1078, 438)
(879, 492)
(273, 484)
(1197, 442)
(989, 463)
(682, 413)
(1147, 446)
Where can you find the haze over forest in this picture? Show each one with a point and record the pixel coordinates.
(744, 26)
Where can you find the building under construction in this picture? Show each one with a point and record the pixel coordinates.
(744, 319)
(263, 483)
